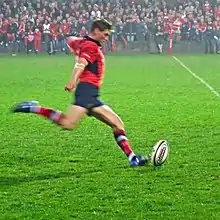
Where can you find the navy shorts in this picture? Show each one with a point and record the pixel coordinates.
(87, 96)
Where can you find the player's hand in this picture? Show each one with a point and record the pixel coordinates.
(70, 87)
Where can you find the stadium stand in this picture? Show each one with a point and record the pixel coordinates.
(140, 25)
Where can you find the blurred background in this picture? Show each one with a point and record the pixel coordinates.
(147, 26)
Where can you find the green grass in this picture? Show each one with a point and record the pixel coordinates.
(46, 173)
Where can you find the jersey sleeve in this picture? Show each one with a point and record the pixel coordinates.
(89, 51)
(73, 44)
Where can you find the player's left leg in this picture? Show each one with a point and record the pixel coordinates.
(67, 121)
(105, 114)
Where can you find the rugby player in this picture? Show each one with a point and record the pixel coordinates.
(86, 80)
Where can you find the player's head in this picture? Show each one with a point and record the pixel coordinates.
(101, 30)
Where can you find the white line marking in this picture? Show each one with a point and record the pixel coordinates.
(197, 77)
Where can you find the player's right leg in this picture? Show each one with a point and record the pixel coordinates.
(66, 121)
(105, 114)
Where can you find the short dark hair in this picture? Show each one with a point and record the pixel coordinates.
(102, 25)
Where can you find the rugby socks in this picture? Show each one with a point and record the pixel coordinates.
(51, 114)
(123, 143)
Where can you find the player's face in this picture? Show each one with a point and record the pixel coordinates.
(103, 35)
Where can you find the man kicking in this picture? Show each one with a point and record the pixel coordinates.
(86, 81)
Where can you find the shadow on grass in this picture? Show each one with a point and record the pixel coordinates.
(16, 180)
(8, 181)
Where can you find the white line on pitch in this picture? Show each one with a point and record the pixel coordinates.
(197, 77)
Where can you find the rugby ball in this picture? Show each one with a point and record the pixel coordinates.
(159, 153)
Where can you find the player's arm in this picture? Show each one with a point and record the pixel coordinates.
(87, 54)
(72, 44)
(79, 67)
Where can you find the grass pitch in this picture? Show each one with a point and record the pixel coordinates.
(46, 173)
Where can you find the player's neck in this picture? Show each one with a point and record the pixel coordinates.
(93, 37)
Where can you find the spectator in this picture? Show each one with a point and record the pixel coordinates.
(46, 34)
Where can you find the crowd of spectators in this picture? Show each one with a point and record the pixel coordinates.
(42, 25)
